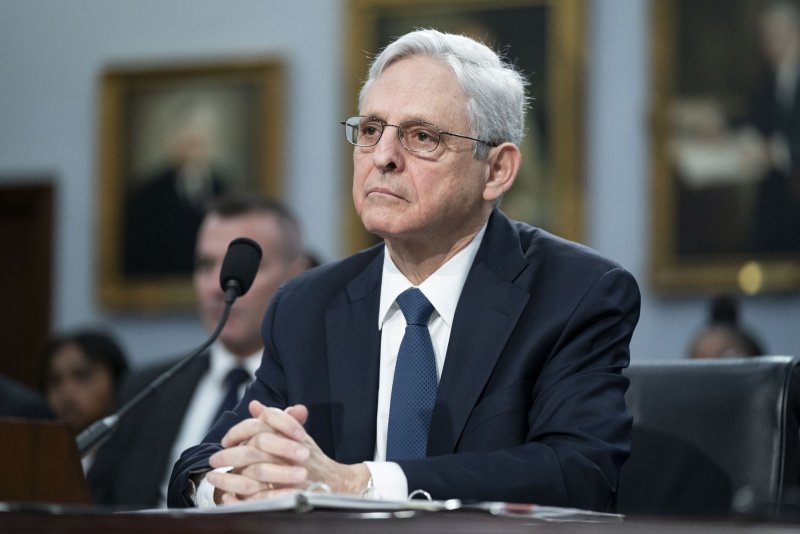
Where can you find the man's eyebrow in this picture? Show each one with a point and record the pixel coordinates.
(411, 118)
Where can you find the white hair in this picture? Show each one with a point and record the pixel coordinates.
(494, 88)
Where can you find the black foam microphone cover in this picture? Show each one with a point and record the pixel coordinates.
(240, 265)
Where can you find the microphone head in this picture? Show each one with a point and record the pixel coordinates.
(240, 265)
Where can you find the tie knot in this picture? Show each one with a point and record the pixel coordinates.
(415, 307)
(236, 377)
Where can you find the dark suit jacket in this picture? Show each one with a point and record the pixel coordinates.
(18, 400)
(530, 405)
(130, 466)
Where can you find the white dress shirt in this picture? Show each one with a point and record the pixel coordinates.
(443, 290)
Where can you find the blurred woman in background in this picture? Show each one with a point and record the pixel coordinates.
(82, 372)
(723, 336)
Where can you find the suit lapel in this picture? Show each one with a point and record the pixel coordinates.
(143, 469)
(177, 395)
(487, 312)
(353, 345)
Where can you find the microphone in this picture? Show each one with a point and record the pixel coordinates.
(239, 268)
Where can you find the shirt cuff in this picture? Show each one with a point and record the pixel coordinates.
(204, 496)
(388, 481)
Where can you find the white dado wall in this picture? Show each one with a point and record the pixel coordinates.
(51, 53)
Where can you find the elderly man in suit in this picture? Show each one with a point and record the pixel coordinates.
(133, 467)
(468, 355)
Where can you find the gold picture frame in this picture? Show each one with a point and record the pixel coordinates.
(718, 224)
(171, 136)
(545, 38)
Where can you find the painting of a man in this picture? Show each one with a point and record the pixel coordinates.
(775, 114)
(735, 130)
(187, 146)
(164, 214)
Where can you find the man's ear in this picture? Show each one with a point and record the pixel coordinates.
(503, 164)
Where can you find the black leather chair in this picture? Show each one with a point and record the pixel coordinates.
(712, 437)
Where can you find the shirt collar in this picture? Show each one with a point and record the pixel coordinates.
(222, 361)
(442, 288)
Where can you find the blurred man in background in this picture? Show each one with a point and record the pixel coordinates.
(132, 468)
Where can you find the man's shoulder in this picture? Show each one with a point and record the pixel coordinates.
(561, 265)
(20, 401)
(540, 246)
(559, 248)
(143, 376)
(146, 374)
(332, 276)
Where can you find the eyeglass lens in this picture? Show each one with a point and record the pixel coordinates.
(416, 136)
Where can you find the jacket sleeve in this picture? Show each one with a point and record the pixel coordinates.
(194, 460)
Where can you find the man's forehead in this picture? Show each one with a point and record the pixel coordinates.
(254, 220)
(414, 88)
(218, 232)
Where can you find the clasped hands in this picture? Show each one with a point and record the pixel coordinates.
(271, 453)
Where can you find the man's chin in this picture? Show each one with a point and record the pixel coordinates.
(376, 224)
(228, 338)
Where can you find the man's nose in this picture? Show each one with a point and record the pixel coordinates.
(389, 152)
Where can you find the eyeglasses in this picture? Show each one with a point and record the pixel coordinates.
(415, 136)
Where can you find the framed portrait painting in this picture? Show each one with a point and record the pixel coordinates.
(544, 38)
(726, 146)
(174, 137)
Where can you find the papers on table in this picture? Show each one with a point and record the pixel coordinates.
(304, 501)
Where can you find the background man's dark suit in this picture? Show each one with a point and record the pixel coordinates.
(530, 398)
(124, 471)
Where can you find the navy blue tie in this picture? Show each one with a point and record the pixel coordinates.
(233, 382)
(414, 386)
